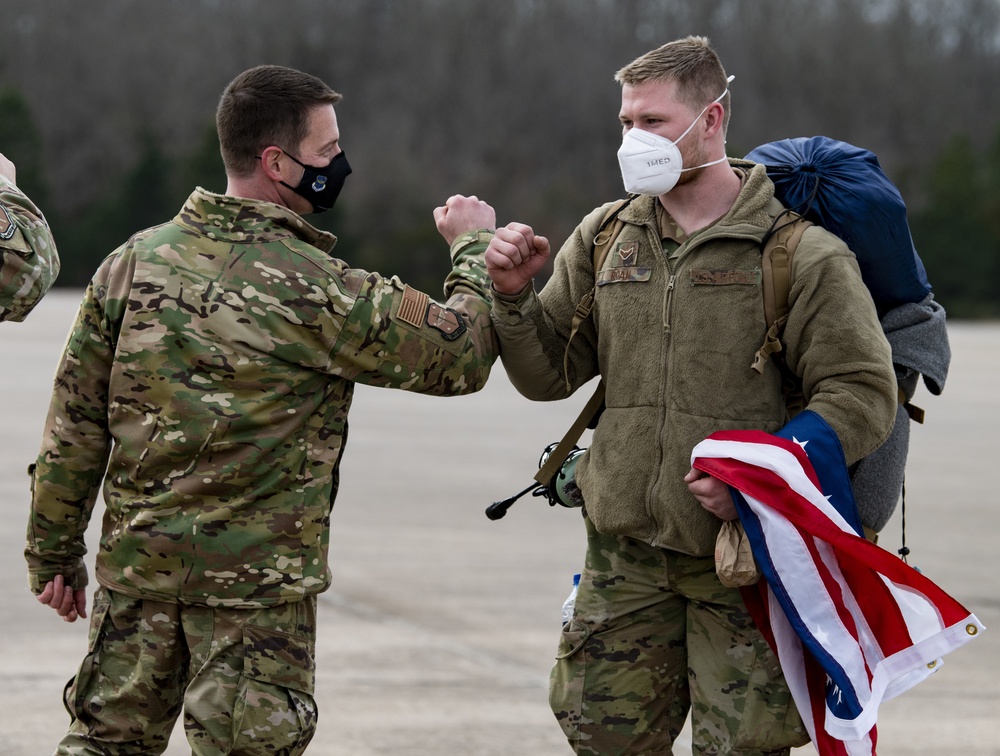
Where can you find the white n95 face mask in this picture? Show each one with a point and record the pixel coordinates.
(652, 164)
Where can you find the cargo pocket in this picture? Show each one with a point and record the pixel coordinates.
(770, 718)
(79, 691)
(274, 712)
(566, 681)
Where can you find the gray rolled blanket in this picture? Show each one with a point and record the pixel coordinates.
(918, 336)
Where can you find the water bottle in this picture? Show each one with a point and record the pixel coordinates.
(570, 602)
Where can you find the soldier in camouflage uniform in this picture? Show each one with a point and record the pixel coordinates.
(210, 371)
(30, 261)
(677, 318)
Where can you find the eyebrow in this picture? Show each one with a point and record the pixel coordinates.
(642, 116)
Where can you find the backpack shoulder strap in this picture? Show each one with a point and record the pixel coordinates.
(573, 433)
(776, 281)
(607, 232)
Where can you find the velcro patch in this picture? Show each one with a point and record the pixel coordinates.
(448, 322)
(626, 254)
(413, 307)
(7, 227)
(621, 275)
(703, 277)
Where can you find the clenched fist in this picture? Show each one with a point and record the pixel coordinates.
(514, 256)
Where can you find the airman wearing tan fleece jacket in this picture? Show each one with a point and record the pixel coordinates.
(677, 318)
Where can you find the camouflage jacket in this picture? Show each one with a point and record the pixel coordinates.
(30, 260)
(210, 369)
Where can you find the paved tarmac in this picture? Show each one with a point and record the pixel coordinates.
(439, 632)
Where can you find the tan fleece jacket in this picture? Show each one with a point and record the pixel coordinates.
(674, 339)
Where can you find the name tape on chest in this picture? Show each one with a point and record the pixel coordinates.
(704, 277)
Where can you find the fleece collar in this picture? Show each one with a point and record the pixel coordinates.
(750, 215)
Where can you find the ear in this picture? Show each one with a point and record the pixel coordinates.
(270, 161)
(715, 118)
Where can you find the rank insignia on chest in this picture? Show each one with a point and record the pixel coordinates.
(626, 254)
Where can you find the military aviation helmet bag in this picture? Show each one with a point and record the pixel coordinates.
(844, 189)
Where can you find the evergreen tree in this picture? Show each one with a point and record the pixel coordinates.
(958, 235)
(21, 142)
(203, 166)
(144, 197)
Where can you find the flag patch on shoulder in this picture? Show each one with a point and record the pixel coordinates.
(413, 307)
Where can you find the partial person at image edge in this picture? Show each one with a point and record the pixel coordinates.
(30, 262)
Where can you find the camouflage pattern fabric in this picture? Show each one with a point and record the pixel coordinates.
(30, 260)
(211, 368)
(245, 679)
(655, 633)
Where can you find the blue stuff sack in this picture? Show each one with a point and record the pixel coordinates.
(843, 188)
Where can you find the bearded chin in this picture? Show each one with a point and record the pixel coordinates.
(688, 176)
(697, 158)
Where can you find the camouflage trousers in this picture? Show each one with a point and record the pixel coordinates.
(244, 679)
(654, 635)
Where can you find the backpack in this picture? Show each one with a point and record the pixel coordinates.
(843, 189)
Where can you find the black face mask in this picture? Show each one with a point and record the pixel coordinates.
(322, 185)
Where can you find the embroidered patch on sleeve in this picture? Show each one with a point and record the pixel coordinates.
(7, 227)
(413, 307)
(448, 322)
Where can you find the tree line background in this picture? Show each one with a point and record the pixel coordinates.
(107, 108)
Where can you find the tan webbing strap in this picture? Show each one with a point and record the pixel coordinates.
(916, 413)
(581, 314)
(602, 244)
(562, 450)
(776, 267)
(603, 240)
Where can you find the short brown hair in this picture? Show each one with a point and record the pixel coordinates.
(266, 105)
(691, 63)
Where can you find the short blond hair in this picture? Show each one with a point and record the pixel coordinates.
(691, 63)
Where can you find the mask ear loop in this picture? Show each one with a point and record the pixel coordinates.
(729, 80)
(704, 110)
(722, 159)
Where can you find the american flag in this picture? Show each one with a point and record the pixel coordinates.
(852, 624)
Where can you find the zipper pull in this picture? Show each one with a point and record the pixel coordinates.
(666, 303)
